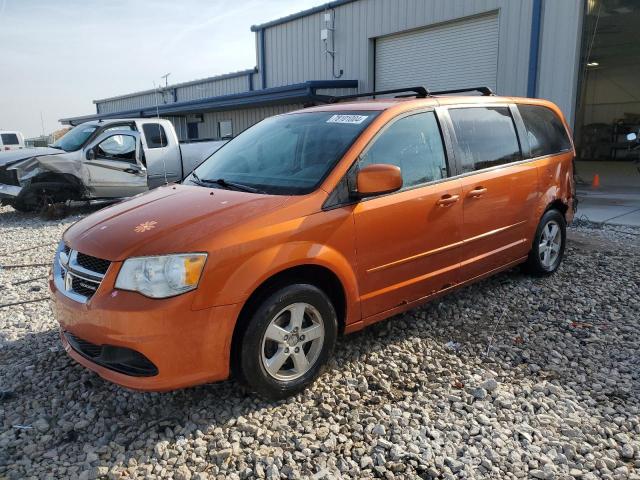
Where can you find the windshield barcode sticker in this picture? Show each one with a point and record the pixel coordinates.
(347, 119)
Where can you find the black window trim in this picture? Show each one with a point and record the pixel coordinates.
(446, 143)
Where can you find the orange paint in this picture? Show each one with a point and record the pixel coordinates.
(389, 252)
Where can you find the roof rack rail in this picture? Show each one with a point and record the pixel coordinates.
(485, 91)
(418, 92)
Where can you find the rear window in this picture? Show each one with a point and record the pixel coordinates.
(486, 137)
(9, 139)
(545, 131)
(155, 135)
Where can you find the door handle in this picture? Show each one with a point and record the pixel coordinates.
(132, 170)
(447, 200)
(477, 192)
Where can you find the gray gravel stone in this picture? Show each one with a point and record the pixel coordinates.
(551, 391)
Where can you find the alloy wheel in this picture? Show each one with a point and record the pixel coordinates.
(293, 341)
(550, 244)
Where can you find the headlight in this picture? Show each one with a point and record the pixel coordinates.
(163, 276)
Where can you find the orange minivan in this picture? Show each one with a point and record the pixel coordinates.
(309, 225)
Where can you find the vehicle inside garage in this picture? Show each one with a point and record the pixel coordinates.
(609, 100)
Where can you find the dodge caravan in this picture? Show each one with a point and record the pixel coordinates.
(310, 225)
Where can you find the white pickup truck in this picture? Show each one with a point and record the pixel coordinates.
(99, 160)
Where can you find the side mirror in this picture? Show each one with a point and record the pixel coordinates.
(632, 137)
(91, 154)
(377, 179)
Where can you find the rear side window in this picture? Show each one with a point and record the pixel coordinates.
(154, 135)
(486, 137)
(414, 144)
(545, 131)
(9, 138)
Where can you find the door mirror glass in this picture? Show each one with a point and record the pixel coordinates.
(91, 154)
(632, 137)
(377, 179)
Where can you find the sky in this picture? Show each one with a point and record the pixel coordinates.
(56, 57)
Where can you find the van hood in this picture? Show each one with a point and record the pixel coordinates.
(13, 156)
(169, 219)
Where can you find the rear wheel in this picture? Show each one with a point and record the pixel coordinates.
(287, 340)
(548, 246)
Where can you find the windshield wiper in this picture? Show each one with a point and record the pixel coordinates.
(226, 184)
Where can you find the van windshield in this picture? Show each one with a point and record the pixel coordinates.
(284, 155)
(74, 138)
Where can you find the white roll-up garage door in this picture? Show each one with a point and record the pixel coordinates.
(455, 55)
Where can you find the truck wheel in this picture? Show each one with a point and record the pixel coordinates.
(33, 199)
(287, 340)
(548, 244)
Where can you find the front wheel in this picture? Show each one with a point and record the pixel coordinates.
(286, 342)
(548, 244)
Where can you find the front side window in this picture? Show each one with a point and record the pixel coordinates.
(486, 137)
(117, 147)
(414, 144)
(286, 155)
(545, 131)
(154, 135)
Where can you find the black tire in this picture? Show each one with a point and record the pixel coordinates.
(254, 349)
(539, 263)
(32, 199)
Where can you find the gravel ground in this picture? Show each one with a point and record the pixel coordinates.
(511, 378)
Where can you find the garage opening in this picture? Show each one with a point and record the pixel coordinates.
(453, 55)
(609, 100)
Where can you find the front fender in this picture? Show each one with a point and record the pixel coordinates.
(252, 272)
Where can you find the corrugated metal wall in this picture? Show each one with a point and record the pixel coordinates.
(130, 103)
(560, 53)
(295, 52)
(213, 88)
(227, 84)
(240, 119)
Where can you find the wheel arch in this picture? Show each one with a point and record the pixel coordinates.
(317, 275)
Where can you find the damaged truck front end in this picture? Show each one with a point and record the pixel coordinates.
(33, 178)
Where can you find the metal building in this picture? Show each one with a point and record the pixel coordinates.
(530, 48)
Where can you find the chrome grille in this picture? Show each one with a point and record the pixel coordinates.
(92, 263)
(78, 275)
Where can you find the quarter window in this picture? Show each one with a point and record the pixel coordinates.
(545, 131)
(155, 135)
(486, 137)
(414, 144)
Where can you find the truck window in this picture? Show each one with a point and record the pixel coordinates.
(155, 135)
(117, 147)
(486, 137)
(414, 144)
(9, 139)
(545, 131)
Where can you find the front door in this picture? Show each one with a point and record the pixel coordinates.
(112, 165)
(499, 191)
(407, 241)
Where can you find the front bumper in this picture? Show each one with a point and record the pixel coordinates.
(187, 347)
